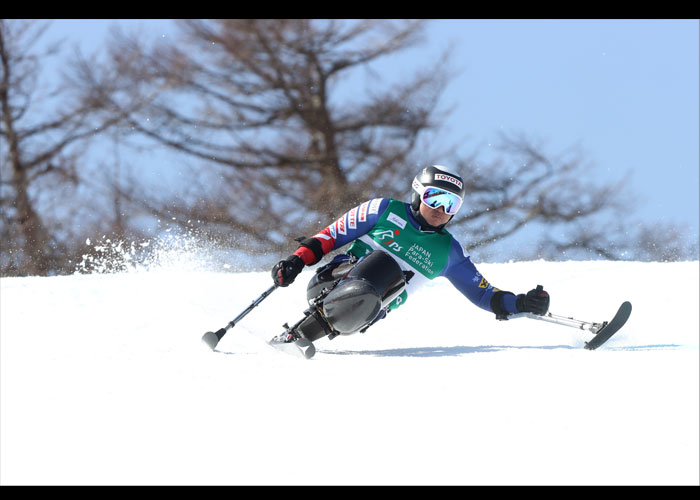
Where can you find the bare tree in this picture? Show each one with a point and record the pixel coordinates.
(20, 219)
(42, 132)
(258, 103)
(525, 186)
(662, 242)
(278, 144)
(568, 215)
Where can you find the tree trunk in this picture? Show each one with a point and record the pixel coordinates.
(32, 230)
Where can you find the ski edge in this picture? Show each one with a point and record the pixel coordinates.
(604, 334)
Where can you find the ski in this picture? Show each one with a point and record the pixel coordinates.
(607, 330)
(301, 347)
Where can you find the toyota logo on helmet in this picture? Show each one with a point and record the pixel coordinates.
(448, 189)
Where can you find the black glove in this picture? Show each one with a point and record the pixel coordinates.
(535, 301)
(285, 271)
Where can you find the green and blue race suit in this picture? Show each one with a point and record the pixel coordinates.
(389, 225)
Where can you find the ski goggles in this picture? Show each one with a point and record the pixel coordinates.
(436, 198)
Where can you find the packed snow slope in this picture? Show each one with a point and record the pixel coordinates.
(105, 381)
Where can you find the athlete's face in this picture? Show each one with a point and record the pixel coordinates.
(434, 216)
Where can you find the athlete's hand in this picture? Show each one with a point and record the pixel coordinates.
(285, 271)
(536, 301)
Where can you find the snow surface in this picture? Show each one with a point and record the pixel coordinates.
(105, 381)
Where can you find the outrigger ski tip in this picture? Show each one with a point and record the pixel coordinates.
(210, 339)
(609, 329)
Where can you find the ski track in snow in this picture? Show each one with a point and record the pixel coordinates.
(104, 380)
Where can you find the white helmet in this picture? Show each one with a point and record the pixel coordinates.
(438, 186)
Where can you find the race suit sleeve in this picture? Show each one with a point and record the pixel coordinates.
(462, 273)
(350, 226)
